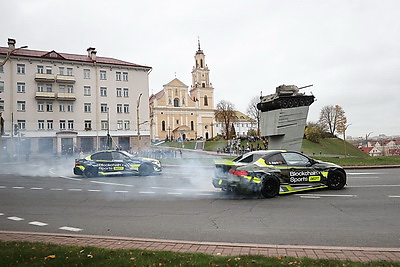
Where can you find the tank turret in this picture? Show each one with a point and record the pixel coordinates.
(286, 96)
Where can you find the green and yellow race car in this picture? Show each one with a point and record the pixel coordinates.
(115, 162)
(272, 172)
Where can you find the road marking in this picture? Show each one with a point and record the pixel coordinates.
(325, 195)
(362, 173)
(18, 187)
(75, 189)
(204, 194)
(121, 191)
(376, 185)
(56, 189)
(394, 196)
(70, 178)
(174, 193)
(1, 214)
(97, 182)
(13, 218)
(38, 223)
(36, 188)
(311, 197)
(2, 186)
(71, 229)
(94, 190)
(148, 192)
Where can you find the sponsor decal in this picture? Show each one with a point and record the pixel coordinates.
(304, 176)
(110, 166)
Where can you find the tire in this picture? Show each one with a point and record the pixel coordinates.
(90, 172)
(336, 180)
(270, 187)
(145, 169)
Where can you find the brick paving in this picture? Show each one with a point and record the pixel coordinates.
(214, 248)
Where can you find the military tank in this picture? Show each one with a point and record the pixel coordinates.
(286, 96)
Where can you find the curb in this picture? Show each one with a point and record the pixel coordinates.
(363, 254)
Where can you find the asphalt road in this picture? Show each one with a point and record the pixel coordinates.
(181, 204)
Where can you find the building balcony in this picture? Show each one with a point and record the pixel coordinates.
(45, 96)
(65, 78)
(66, 97)
(43, 77)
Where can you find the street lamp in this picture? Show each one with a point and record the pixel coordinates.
(9, 53)
(344, 138)
(138, 121)
(366, 138)
(109, 140)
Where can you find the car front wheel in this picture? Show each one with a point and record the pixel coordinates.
(90, 172)
(336, 180)
(145, 169)
(270, 187)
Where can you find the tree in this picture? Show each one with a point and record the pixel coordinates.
(254, 113)
(313, 132)
(331, 117)
(225, 113)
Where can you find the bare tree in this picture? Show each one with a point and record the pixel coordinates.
(254, 113)
(225, 113)
(331, 117)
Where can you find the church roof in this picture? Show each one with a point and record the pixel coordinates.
(176, 83)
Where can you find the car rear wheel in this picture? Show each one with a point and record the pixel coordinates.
(145, 169)
(270, 187)
(336, 180)
(90, 172)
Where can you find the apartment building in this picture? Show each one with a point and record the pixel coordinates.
(53, 102)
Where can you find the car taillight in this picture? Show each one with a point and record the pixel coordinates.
(76, 163)
(238, 172)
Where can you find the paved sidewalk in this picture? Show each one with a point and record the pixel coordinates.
(214, 248)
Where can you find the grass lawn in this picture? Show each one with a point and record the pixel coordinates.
(41, 254)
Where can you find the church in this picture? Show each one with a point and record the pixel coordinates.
(180, 113)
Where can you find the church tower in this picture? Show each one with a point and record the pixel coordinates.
(201, 89)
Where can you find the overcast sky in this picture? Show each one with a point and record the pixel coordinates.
(349, 50)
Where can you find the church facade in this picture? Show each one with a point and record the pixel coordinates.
(178, 112)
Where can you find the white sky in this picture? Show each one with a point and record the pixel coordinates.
(349, 50)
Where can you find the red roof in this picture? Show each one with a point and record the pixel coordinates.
(68, 57)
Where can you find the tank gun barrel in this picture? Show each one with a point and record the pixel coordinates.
(305, 86)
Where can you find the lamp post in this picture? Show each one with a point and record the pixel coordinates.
(344, 138)
(138, 121)
(109, 141)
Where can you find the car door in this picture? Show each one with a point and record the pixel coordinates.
(104, 161)
(299, 169)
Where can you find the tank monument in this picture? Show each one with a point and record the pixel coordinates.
(284, 117)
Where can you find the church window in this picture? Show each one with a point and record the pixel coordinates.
(176, 102)
(163, 126)
(183, 101)
(169, 101)
(205, 101)
(201, 63)
(192, 125)
(203, 85)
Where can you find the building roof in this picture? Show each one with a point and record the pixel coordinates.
(28, 53)
(176, 83)
(240, 117)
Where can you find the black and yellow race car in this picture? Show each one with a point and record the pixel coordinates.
(277, 172)
(115, 162)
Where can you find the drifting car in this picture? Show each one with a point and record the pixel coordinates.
(278, 172)
(115, 162)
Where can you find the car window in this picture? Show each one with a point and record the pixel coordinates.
(102, 156)
(117, 155)
(247, 159)
(276, 159)
(296, 159)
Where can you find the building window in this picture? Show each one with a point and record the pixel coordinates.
(126, 125)
(205, 100)
(20, 87)
(104, 125)
(62, 107)
(119, 108)
(1, 105)
(50, 124)
(61, 70)
(41, 124)
(103, 108)
(103, 75)
(48, 70)
(183, 101)
(176, 102)
(192, 125)
(49, 106)
(70, 89)
(1, 69)
(62, 88)
(69, 71)
(1, 86)
(120, 125)
(40, 106)
(86, 90)
(21, 124)
(163, 126)
(70, 125)
(87, 107)
(126, 108)
(21, 105)
(126, 92)
(118, 76)
(86, 74)
(40, 69)
(21, 68)
(70, 107)
(49, 87)
(40, 87)
(125, 76)
(103, 91)
(62, 124)
(119, 92)
(88, 125)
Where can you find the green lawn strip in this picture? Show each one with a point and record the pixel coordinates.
(43, 254)
(370, 161)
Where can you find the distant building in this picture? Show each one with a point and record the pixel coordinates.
(177, 113)
(55, 102)
(242, 125)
